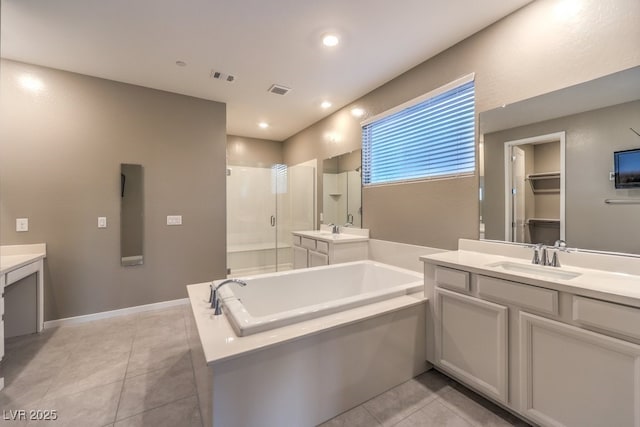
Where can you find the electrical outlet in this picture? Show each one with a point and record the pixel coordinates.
(22, 224)
(174, 219)
(102, 222)
(612, 176)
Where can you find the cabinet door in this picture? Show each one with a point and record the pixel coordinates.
(471, 341)
(300, 257)
(317, 259)
(573, 377)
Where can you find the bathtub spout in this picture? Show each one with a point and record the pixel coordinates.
(215, 300)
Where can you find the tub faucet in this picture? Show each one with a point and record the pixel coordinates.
(214, 299)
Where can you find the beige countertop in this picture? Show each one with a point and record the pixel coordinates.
(327, 236)
(623, 288)
(13, 257)
(11, 262)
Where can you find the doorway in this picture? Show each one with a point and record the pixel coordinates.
(535, 189)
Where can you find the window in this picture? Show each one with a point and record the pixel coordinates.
(429, 137)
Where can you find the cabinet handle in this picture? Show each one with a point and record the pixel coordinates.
(273, 221)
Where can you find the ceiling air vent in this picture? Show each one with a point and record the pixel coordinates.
(222, 76)
(279, 89)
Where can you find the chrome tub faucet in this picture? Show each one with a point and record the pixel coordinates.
(214, 297)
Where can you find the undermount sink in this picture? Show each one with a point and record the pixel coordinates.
(538, 270)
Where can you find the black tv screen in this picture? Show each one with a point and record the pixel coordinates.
(627, 168)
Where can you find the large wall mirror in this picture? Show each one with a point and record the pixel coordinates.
(547, 166)
(131, 214)
(342, 190)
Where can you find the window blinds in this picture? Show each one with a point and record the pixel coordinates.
(432, 138)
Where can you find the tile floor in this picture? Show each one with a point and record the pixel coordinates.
(148, 369)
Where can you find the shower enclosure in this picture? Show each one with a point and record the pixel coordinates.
(264, 204)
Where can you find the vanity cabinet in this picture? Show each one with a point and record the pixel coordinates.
(574, 377)
(471, 341)
(554, 357)
(317, 251)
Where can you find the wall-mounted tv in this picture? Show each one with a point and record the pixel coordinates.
(627, 168)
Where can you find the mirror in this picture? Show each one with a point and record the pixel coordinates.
(131, 214)
(342, 190)
(566, 191)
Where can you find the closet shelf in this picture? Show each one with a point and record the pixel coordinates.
(546, 182)
(543, 222)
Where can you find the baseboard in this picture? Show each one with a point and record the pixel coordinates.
(114, 313)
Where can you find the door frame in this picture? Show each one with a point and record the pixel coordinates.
(508, 179)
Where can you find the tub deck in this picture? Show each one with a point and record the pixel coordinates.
(220, 342)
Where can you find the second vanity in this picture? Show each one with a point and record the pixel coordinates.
(559, 346)
(323, 247)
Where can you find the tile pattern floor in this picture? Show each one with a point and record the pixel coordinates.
(148, 369)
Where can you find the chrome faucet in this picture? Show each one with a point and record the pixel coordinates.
(214, 299)
(335, 229)
(540, 255)
(559, 245)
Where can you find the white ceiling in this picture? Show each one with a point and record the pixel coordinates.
(260, 42)
(613, 89)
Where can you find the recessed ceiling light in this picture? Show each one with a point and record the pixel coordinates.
(181, 63)
(357, 112)
(330, 40)
(325, 104)
(263, 125)
(31, 83)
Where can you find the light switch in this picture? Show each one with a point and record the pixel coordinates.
(174, 219)
(22, 224)
(102, 222)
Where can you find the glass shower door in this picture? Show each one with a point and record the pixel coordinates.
(263, 206)
(251, 211)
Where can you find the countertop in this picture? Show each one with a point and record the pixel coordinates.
(220, 342)
(11, 262)
(16, 256)
(327, 236)
(622, 288)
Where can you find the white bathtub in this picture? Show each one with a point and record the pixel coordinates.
(273, 300)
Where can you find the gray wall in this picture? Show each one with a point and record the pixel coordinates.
(60, 155)
(591, 139)
(254, 152)
(530, 52)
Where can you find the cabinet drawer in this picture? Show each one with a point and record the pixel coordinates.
(22, 272)
(450, 278)
(607, 316)
(525, 296)
(296, 240)
(308, 243)
(322, 247)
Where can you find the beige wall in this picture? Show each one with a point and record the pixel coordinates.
(591, 139)
(60, 156)
(533, 51)
(243, 151)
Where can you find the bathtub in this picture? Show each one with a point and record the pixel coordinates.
(278, 299)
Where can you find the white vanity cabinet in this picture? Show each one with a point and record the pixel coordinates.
(313, 249)
(573, 377)
(555, 357)
(18, 262)
(471, 341)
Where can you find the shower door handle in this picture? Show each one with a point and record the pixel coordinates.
(273, 221)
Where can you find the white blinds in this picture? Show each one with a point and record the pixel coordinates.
(432, 138)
